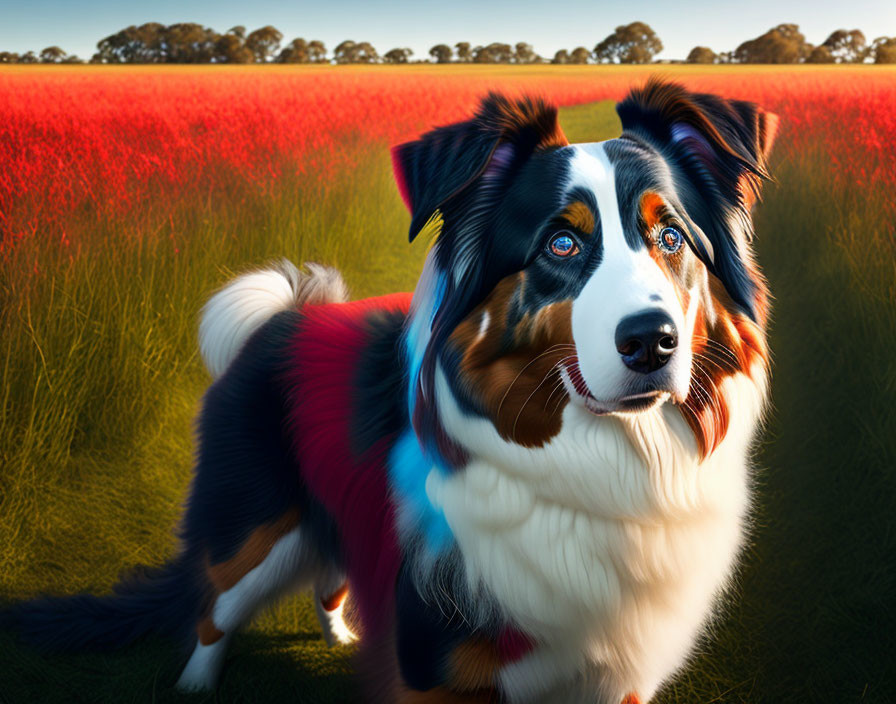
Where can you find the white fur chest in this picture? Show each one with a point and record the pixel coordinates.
(608, 546)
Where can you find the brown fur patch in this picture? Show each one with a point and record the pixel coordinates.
(519, 388)
(579, 216)
(526, 116)
(208, 632)
(334, 600)
(652, 209)
(377, 664)
(440, 695)
(732, 343)
(225, 575)
(652, 213)
(474, 665)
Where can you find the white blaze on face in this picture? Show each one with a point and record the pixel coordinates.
(626, 282)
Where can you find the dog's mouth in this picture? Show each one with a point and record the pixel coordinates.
(639, 402)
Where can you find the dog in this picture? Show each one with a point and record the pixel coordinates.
(533, 474)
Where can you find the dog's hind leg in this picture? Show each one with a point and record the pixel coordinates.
(273, 560)
(330, 592)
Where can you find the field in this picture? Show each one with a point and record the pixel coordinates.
(127, 195)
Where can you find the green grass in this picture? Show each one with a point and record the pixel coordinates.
(99, 381)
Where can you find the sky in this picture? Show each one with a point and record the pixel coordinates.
(77, 25)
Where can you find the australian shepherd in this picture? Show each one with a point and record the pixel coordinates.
(532, 475)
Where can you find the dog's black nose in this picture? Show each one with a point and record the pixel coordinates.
(646, 340)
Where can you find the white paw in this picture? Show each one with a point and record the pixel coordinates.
(202, 670)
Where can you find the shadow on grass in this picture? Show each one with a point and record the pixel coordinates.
(260, 667)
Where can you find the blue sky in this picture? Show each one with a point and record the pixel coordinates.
(76, 26)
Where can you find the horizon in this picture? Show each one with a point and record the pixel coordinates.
(421, 25)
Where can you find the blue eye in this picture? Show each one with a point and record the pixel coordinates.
(670, 240)
(562, 245)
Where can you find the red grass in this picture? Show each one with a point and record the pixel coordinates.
(109, 140)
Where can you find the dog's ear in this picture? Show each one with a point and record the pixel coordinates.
(453, 177)
(725, 141)
(451, 160)
(718, 152)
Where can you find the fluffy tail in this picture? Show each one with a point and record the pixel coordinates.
(164, 601)
(247, 302)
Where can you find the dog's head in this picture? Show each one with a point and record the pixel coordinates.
(615, 275)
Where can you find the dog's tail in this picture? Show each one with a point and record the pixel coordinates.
(167, 600)
(247, 302)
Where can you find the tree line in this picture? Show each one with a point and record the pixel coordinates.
(634, 43)
(785, 44)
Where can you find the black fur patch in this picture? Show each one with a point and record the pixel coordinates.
(380, 407)
(246, 473)
(425, 635)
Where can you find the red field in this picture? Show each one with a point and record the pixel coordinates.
(108, 139)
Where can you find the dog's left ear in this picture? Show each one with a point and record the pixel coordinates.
(717, 150)
(453, 160)
(725, 142)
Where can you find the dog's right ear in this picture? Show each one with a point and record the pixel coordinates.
(450, 160)
(454, 176)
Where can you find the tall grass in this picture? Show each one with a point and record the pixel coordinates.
(99, 381)
(100, 375)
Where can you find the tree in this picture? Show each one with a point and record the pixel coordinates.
(883, 49)
(148, 43)
(783, 44)
(52, 55)
(792, 32)
(349, 52)
(8, 57)
(847, 47)
(28, 58)
(464, 53)
(441, 53)
(634, 43)
(702, 55)
(561, 57)
(579, 55)
(523, 53)
(494, 53)
(820, 55)
(397, 56)
(296, 52)
(231, 49)
(264, 43)
(366, 54)
(345, 52)
(238, 31)
(317, 51)
(188, 43)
